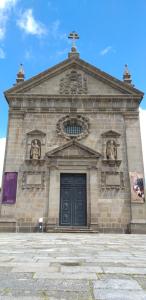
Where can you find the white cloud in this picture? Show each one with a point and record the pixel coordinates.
(29, 55)
(28, 23)
(54, 31)
(4, 4)
(61, 52)
(5, 9)
(106, 50)
(2, 151)
(143, 135)
(2, 54)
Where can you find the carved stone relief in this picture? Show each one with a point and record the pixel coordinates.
(75, 126)
(112, 180)
(73, 83)
(33, 180)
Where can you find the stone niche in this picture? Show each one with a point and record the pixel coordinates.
(31, 137)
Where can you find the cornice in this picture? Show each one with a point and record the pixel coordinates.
(59, 110)
(21, 96)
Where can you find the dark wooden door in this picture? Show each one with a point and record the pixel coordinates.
(73, 200)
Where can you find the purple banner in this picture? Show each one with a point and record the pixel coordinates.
(9, 188)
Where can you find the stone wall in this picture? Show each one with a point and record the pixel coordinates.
(111, 109)
(110, 207)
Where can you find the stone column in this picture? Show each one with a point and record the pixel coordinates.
(94, 197)
(54, 197)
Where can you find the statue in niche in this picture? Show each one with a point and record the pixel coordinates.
(35, 150)
(111, 150)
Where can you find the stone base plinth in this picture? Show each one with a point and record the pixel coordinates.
(7, 225)
(138, 226)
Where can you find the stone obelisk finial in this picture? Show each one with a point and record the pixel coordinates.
(127, 75)
(20, 74)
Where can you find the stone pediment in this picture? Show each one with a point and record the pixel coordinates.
(111, 133)
(36, 133)
(73, 77)
(73, 149)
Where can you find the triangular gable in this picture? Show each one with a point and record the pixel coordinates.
(36, 132)
(42, 80)
(73, 149)
(111, 133)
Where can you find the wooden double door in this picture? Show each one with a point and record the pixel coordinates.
(73, 204)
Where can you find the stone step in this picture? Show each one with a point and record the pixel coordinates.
(64, 229)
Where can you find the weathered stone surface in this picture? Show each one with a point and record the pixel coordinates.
(104, 110)
(72, 266)
(119, 295)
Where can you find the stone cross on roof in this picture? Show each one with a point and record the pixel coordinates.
(74, 36)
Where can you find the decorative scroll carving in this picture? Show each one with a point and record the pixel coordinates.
(73, 83)
(80, 121)
(112, 180)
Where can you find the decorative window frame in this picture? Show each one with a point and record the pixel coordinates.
(25, 185)
(82, 121)
(106, 186)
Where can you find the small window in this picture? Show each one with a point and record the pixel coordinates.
(72, 128)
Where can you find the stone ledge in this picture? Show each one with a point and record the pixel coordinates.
(7, 219)
(138, 228)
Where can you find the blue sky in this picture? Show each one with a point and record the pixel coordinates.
(34, 32)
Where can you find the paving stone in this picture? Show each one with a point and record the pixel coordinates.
(109, 294)
(63, 285)
(124, 270)
(142, 281)
(21, 275)
(72, 266)
(120, 284)
(82, 269)
(35, 268)
(58, 275)
(67, 295)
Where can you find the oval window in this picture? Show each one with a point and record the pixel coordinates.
(73, 128)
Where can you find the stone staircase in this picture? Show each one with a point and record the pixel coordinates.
(70, 229)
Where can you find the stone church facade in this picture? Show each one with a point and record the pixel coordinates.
(73, 149)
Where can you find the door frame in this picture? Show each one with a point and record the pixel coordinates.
(53, 195)
(85, 200)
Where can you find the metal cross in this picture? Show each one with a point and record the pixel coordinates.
(74, 36)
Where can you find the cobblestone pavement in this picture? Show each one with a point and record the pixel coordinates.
(72, 266)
